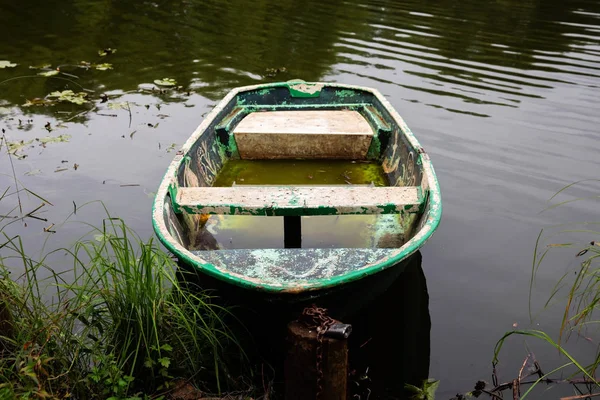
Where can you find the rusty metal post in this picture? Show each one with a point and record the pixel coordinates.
(292, 232)
(301, 367)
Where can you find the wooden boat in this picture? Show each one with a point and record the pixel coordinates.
(299, 120)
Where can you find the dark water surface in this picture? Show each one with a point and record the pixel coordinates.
(503, 95)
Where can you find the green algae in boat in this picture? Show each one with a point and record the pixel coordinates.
(298, 120)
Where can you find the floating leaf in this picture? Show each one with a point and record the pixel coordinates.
(275, 71)
(171, 147)
(54, 139)
(38, 102)
(40, 66)
(107, 51)
(69, 96)
(103, 67)
(15, 146)
(33, 172)
(118, 106)
(49, 73)
(165, 82)
(7, 64)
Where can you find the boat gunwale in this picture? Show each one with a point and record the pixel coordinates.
(425, 228)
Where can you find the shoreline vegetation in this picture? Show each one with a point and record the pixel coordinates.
(577, 295)
(123, 323)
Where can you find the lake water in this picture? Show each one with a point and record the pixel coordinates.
(504, 96)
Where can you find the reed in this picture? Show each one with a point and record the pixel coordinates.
(577, 292)
(124, 324)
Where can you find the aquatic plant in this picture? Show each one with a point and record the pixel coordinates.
(135, 310)
(165, 82)
(425, 392)
(579, 287)
(122, 325)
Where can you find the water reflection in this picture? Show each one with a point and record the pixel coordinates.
(495, 54)
(390, 341)
(389, 313)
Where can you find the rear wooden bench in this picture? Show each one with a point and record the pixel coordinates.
(331, 134)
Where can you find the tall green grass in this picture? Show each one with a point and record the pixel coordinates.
(118, 323)
(578, 290)
(132, 307)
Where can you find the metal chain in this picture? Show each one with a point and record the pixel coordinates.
(316, 318)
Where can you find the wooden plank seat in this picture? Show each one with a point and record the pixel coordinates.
(331, 134)
(299, 200)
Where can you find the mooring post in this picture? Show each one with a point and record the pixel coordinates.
(292, 232)
(316, 369)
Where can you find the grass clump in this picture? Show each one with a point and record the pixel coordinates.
(577, 292)
(122, 325)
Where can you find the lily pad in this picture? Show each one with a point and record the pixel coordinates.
(7, 64)
(165, 82)
(69, 96)
(49, 73)
(103, 67)
(107, 51)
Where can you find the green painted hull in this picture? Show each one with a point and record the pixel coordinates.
(303, 273)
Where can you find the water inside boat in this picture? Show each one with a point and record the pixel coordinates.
(340, 231)
(300, 172)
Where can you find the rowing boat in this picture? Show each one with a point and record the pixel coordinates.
(381, 220)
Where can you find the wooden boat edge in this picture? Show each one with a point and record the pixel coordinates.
(424, 230)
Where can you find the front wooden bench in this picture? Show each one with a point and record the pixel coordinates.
(293, 202)
(299, 200)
